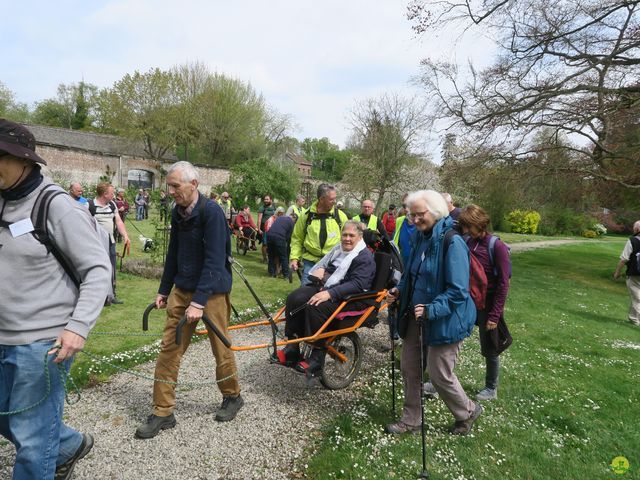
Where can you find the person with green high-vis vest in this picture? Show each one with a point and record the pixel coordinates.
(316, 231)
(369, 219)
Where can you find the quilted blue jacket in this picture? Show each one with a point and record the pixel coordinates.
(439, 282)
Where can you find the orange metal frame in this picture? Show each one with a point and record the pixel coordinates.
(321, 333)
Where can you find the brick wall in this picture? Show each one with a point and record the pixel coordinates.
(68, 165)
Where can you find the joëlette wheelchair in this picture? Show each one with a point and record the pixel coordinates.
(243, 241)
(343, 345)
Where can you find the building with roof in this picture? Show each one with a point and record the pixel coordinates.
(87, 157)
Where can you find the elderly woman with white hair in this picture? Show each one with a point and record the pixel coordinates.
(434, 286)
(630, 258)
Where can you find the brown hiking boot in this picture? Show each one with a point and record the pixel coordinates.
(463, 427)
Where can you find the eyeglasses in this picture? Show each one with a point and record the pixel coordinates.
(418, 214)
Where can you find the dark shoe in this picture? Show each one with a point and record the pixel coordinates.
(398, 428)
(64, 471)
(463, 427)
(117, 301)
(487, 394)
(287, 356)
(316, 362)
(229, 408)
(429, 391)
(154, 425)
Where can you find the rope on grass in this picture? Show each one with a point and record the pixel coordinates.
(143, 376)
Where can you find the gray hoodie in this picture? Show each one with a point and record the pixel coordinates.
(37, 298)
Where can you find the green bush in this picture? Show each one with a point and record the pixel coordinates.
(523, 221)
(589, 234)
(562, 221)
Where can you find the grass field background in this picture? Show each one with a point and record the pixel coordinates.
(569, 395)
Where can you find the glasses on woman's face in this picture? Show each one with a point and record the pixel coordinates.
(415, 215)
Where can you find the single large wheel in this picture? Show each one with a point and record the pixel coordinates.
(242, 245)
(338, 374)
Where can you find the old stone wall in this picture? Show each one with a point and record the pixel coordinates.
(68, 165)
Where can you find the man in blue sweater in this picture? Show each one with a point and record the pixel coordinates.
(196, 280)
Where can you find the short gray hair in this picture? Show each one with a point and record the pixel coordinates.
(324, 189)
(189, 172)
(359, 226)
(435, 202)
(636, 227)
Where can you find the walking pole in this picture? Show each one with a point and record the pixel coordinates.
(392, 317)
(423, 473)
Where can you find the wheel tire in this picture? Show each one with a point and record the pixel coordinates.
(241, 246)
(336, 374)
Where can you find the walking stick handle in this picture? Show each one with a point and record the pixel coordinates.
(145, 316)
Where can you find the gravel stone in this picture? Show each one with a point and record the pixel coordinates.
(265, 441)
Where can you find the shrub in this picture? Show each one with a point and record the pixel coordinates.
(143, 267)
(524, 221)
(563, 221)
(599, 229)
(589, 234)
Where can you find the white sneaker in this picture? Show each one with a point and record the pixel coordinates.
(487, 394)
(429, 391)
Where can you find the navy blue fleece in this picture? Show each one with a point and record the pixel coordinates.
(197, 259)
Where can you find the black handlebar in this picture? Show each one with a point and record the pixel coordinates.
(210, 326)
(145, 316)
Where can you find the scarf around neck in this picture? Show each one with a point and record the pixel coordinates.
(337, 276)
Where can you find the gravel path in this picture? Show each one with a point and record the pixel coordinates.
(263, 442)
(524, 246)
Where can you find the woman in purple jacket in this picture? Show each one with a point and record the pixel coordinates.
(474, 221)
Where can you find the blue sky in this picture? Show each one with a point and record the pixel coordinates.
(310, 59)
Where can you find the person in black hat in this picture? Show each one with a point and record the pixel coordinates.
(50, 300)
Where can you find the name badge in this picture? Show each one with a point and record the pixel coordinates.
(21, 227)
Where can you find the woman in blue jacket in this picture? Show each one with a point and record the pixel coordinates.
(435, 284)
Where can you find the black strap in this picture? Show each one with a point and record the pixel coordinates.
(39, 215)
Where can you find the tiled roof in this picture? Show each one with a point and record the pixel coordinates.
(92, 142)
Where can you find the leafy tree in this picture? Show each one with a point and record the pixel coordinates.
(144, 106)
(9, 108)
(386, 135)
(568, 67)
(232, 121)
(329, 162)
(73, 107)
(251, 180)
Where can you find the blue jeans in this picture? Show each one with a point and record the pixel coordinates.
(42, 441)
(140, 212)
(306, 266)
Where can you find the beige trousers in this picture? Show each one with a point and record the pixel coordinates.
(441, 360)
(218, 309)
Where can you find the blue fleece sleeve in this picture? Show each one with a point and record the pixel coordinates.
(215, 276)
(456, 280)
(171, 262)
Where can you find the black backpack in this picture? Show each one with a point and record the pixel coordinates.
(378, 243)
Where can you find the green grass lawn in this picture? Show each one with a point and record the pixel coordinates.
(118, 335)
(569, 396)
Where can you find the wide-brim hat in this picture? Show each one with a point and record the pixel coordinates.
(18, 141)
